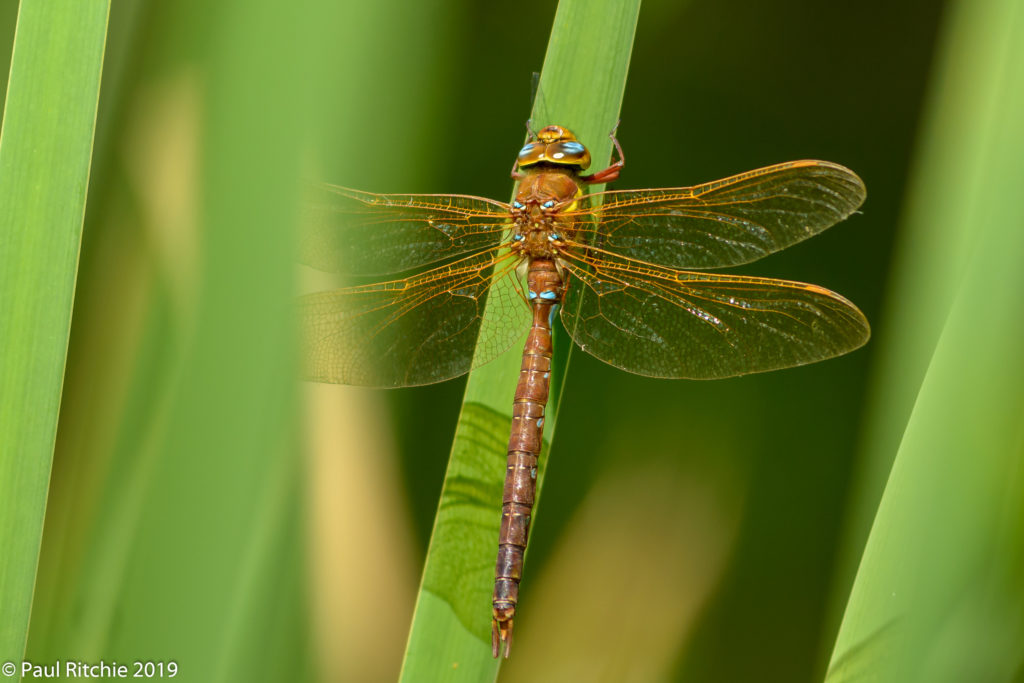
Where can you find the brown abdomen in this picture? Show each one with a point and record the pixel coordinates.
(545, 291)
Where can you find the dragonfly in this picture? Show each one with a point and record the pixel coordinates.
(624, 270)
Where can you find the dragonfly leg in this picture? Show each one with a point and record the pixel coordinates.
(611, 173)
(529, 129)
(516, 175)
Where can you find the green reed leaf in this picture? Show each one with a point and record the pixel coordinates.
(581, 87)
(45, 156)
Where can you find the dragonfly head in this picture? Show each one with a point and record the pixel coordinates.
(555, 146)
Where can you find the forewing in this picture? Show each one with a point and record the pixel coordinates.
(675, 324)
(726, 222)
(419, 330)
(361, 233)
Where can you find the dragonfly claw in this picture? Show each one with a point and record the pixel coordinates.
(501, 633)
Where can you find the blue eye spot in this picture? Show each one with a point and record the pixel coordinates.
(526, 150)
(533, 294)
(554, 236)
(549, 296)
(518, 205)
(548, 204)
(518, 238)
(574, 147)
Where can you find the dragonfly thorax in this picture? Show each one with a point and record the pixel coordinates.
(539, 243)
(539, 212)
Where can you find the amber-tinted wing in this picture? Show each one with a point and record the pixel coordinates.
(361, 233)
(676, 324)
(726, 222)
(419, 330)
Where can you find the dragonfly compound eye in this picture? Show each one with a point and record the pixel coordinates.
(526, 151)
(554, 237)
(517, 238)
(518, 205)
(549, 204)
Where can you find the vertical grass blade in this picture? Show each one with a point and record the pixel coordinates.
(581, 87)
(940, 589)
(45, 153)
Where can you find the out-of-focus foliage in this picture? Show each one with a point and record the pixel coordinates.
(940, 588)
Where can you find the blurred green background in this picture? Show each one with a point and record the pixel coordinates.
(688, 530)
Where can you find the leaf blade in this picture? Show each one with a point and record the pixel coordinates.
(45, 157)
(581, 88)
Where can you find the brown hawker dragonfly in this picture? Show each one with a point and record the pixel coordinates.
(619, 264)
